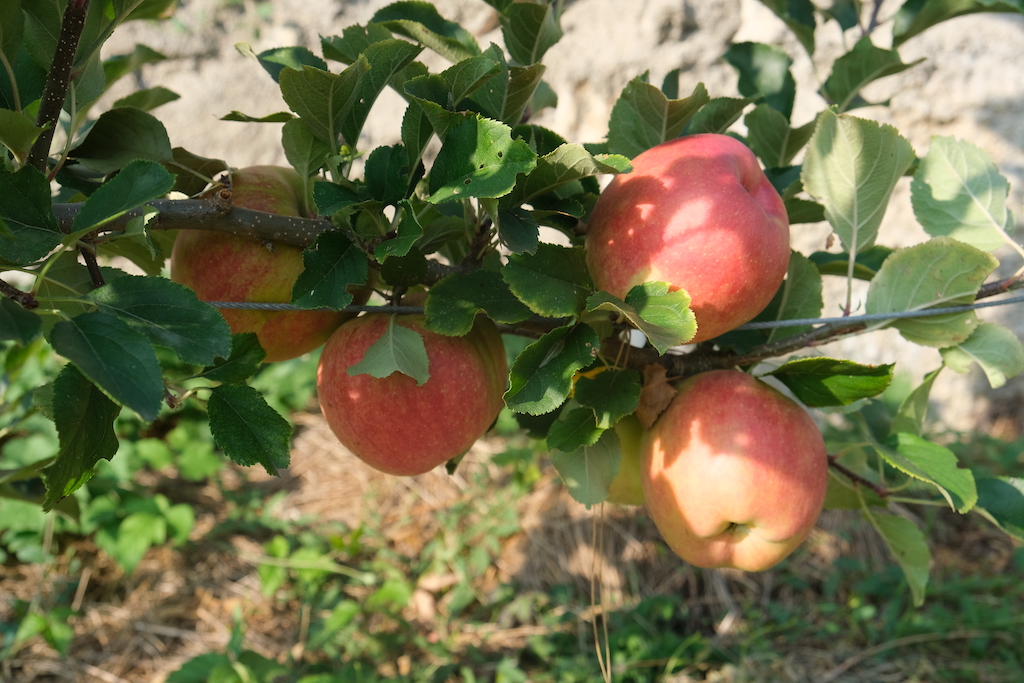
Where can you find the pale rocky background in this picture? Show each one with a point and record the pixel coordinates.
(970, 86)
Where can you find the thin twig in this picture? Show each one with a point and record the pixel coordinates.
(880, 491)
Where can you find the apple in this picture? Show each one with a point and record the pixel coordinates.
(397, 426)
(223, 267)
(626, 488)
(734, 472)
(699, 213)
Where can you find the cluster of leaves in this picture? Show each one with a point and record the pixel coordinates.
(471, 184)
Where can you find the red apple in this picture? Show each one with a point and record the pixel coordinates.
(397, 426)
(223, 267)
(699, 213)
(734, 472)
(626, 488)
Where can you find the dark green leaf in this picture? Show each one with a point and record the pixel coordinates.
(530, 30)
(85, 426)
(148, 99)
(798, 297)
(518, 230)
(798, 15)
(331, 198)
(406, 270)
(718, 115)
(771, 138)
(421, 22)
(854, 70)
(192, 170)
(245, 359)
(399, 349)
(563, 165)
(119, 66)
(386, 59)
(119, 137)
(643, 117)
(17, 324)
(764, 73)
(17, 132)
(1003, 499)
(305, 152)
(168, 314)
(553, 282)
(352, 42)
(118, 359)
(387, 174)
(913, 411)
(507, 95)
(865, 265)
(916, 16)
(26, 212)
(845, 12)
(820, 382)
(664, 317)
(417, 131)
(248, 430)
(611, 394)
(137, 183)
(323, 99)
(291, 57)
(541, 376)
(276, 117)
(332, 263)
(908, 545)
(479, 158)
(453, 303)
(575, 429)
(407, 233)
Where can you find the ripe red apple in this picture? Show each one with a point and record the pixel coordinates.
(699, 213)
(734, 472)
(223, 267)
(626, 488)
(397, 426)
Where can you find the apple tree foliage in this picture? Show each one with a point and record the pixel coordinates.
(456, 208)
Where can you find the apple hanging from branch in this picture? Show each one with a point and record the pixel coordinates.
(734, 472)
(222, 267)
(699, 213)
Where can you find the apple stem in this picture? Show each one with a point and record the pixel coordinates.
(880, 491)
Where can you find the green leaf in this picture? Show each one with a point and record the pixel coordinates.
(852, 167)
(118, 359)
(119, 66)
(573, 430)
(305, 152)
(17, 324)
(611, 394)
(421, 22)
(934, 464)
(916, 16)
(643, 117)
(138, 182)
(417, 131)
(798, 16)
(245, 358)
(908, 545)
(718, 115)
(399, 349)
(858, 67)
(352, 42)
(518, 230)
(913, 411)
(507, 95)
(196, 170)
(764, 73)
(530, 30)
(771, 138)
(865, 265)
(589, 471)
(247, 429)
(553, 282)
(119, 137)
(798, 297)
(463, 78)
(148, 99)
(996, 349)
(565, 164)
(17, 132)
(958, 191)
(408, 232)
(276, 59)
(478, 158)
(387, 174)
(276, 117)
(1002, 498)
(169, 315)
(26, 211)
(331, 264)
(453, 303)
(664, 317)
(939, 272)
(322, 99)
(541, 376)
(845, 12)
(386, 59)
(820, 382)
(330, 198)
(85, 427)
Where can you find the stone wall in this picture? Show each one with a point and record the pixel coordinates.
(968, 86)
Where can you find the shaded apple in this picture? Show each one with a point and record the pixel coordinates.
(392, 423)
(223, 267)
(734, 472)
(699, 213)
